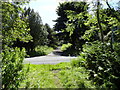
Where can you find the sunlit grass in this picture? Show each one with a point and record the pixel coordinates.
(39, 76)
(61, 75)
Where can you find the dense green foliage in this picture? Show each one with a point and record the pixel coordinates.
(101, 33)
(71, 23)
(40, 51)
(12, 68)
(61, 75)
(109, 24)
(103, 63)
(13, 27)
(51, 39)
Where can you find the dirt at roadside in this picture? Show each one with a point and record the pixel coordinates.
(56, 79)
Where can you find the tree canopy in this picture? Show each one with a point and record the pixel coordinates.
(70, 23)
(13, 26)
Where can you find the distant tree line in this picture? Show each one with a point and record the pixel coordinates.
(22, 31)
(41, 34)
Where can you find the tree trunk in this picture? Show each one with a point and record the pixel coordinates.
(112, 11)
(98, 19)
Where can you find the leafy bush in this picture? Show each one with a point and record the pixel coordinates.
(77, 62)
(43, 50)
(75, 78)
(65, 46)
(12, 68)
(103, 63)
(40, 51)
(68, 50)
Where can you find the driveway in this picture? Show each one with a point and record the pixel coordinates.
(52, 58)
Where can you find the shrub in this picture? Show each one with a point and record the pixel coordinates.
(12, 68)
(68, 50)
(103, 63)
(40, 51)
(78, 62)
(75, 78)
(43, 50)
(65, 46)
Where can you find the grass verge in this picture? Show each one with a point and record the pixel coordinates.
(61, 75)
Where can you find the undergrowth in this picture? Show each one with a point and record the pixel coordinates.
(45, 76)
(40, 51)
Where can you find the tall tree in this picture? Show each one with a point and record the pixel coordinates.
(52, 40)
(13, 28)
(36, 29)
(72, 16)
(113, 11)
(98, 20)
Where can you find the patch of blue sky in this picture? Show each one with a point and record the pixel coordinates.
(46, 9)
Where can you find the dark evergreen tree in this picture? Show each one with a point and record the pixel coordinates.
(52, 40)
(36, 31)
(70, 23)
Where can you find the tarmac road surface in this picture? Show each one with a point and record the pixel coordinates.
(52, 58)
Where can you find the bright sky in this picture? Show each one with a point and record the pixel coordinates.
(47, 9)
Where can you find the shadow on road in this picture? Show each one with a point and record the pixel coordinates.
(59, 53)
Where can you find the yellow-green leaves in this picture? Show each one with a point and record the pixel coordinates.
(12, 64)
(14, 26)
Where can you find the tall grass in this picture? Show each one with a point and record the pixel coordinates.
(61, 75)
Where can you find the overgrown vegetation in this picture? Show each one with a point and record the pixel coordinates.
(61, 75)
(39, 76)
(75, 78)
(12, 68)
(40, 51)
(13, 28)
(95, 37)
(102, 63)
